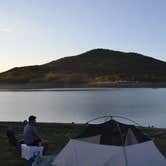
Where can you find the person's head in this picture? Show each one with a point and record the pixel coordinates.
(32, 119)
(25, 122)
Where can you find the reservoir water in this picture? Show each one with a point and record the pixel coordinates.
(146, 106)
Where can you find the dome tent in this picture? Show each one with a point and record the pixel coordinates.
(110, 144)
(113, 132)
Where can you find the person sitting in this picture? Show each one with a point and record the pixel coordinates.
(31, 136)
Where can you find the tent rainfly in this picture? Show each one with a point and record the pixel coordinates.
(110, 144)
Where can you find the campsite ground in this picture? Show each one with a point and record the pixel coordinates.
(57, 135)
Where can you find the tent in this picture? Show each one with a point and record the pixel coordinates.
(115, 133)
(110, 144)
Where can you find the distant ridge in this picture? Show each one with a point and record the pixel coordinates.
(98, 67)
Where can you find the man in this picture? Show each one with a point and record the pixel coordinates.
(31, 136)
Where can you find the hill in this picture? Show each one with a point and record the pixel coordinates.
(97, 67)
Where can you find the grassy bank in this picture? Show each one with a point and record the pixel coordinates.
(57, 135)
(89, 86)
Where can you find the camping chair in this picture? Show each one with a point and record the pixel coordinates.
(12, 138)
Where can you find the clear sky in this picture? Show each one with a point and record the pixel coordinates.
(39, 31)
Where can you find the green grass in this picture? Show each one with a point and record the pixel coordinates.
(57, 136)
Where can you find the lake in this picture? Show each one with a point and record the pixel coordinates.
(146, 106)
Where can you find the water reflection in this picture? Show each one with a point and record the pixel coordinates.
(144, 105)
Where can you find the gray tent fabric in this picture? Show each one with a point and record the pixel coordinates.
(130, 138)
(88, 154)
(144, 154)
(80, 153)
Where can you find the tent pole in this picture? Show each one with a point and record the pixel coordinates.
(111, 117)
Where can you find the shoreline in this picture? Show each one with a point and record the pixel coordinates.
(98, 86)
(17, 123)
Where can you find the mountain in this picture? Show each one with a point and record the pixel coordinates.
(95, 67)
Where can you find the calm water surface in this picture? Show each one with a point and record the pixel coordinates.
(144, 105)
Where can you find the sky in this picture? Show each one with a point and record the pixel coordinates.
(34, 32)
